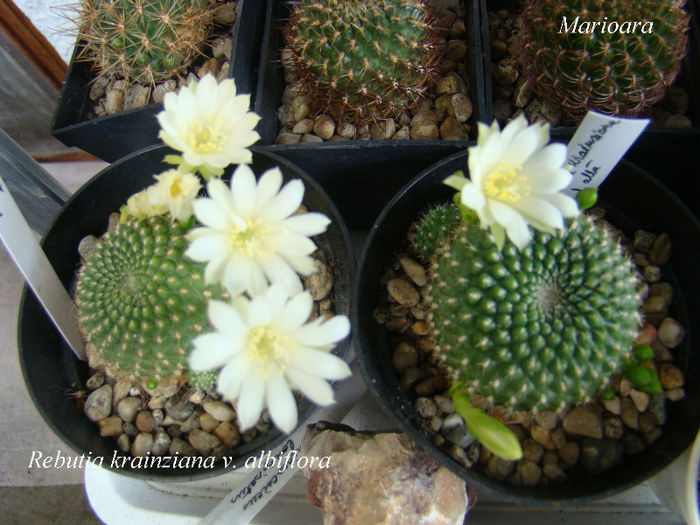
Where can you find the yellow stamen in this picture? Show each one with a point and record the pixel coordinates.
(268, 349)
(506, 183)
(205, 135)
(252, 239)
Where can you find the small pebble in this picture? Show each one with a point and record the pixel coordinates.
(405, 356)
(633, 443)
(543, 437)
(145, 422)
(532, 450)
(207, 422)
(110, 426)
(203, 442)
(413, 270)
(425, 407)
(452, 421)
(629, 414)
(142, 445)
(130, 429)
(584, 421)
(161, 443)
(288, 138)
(430, 386)
(444, 404)
(460, 456)
(553, 472)
(461, 107)
(530, 472)
(670, 376)
(410, 377)
(498, 468)
(424, 132)
(227, 433)
(95, 381)
(643, 241)
(598, 455)
(303, 126)
(613, 405)
(181, 448)
(546, 419)
(128, 407)
(651, 273)
(220, 410)
(124, 443)
(675, 394)
(99, 403)
(671, 333)
(613, 428)
(403, 292)
(640, 399)
(569, 453)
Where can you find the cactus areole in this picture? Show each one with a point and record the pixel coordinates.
(363, 60)
(583, 55)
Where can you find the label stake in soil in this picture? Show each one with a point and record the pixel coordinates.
(38, 272)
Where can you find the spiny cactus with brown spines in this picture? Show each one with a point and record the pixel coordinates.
(611, 72)
(144, 41)
(538, 328)
(141, 302)
(364, 60)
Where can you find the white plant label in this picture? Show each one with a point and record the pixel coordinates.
(37, 270)
(597, 146)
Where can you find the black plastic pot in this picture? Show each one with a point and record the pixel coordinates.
(367, 172)
(652, 148)
(634, 200)
(51, 371)
(111, 137)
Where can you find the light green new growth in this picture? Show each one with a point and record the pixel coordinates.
(203, 380)
(539, 328)
(141, 301)
(435, 228)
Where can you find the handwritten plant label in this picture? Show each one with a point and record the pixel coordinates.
(37, 270)
(598, 145)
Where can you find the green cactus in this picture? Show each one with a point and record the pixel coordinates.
(203, 380)
(539, 328)
(433, 230)
(144, 40)
(610, 72)
(362, 59)
(141, 302)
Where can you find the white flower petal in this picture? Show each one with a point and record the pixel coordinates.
(269, 184)
(324, 333)
(251, 401)
(214, 271)
(286, 202)
(472, 197)
(316, 389)
(542, 211)
(243, 190)
(220, 193)
(237, 275)
(296, 312)
(567, 206)
(518, 232)
(302, 264)
(294, 244)
(231, 377)
(281, 402)
(209, 213)
(307, 223)
(321, 364)
(225, 318)
(207, 247)
(278, 271)
(212, 351)
(259, 313)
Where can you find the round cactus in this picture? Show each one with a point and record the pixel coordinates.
(141, 302)
(362, 59)
(433, 230)
(539, 328)
(144, 40)
(203, 380)
(596, 68)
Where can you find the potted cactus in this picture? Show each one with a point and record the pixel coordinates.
(129, 54)
(409, 77)
(205, 317)
(511, 320)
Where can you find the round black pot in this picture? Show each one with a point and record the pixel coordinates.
(50, 369)
(633, 200)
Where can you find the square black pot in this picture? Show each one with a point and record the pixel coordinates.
(360, 176)
(671, 154)
(114, 136)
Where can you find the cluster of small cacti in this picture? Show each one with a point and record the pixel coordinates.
(601, 69)
(361, 59)
(435, 228)
(144, 40)
(537, 328)
(141, 302)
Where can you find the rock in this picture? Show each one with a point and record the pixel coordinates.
(286, 137)
(452, 421)
(640, 399)
(163, 88)
(300, 107)
(675, 394)
(413, 270)
(543, 437)
(613, 428)
(670, 376)
(443, 107)
(97, 89)
(144, 421)
(554, 472)
(506, 72)
(460, 455)
(221, 47)
(130, 429)
(671, 333)
(447, 85)
(435, 423)
(532, 450)
(96, 380)
(420, 328)
(444, 404)
(225, 14)
(324, 126)
(202, 442)
(190, 423)
(424, 132)
(403, 292)
(220, 410)
(303, 126)
(227, 433)
(405, 356)
(547, 419)
(451, 129)
(86, 245)
(640, 259)
(424, 118)
(179, 407)
(657, 408)
(363, 132)
(661, 290)
(319, 283)
(661, 353)
(459, 436)
(456, 50)
(613, 405)
(161, 443)
(643, 241)
(461, 106)
(142, 445)
(502, 110)
(181, 448)
(629, 414)
(403, 133)
(410, 377)
(110, 426)
(285, 115)
(598, 455)
(633, 443)
(207, 422)
(559, 437)
(381, 483)
(678, 121)
(124, 443)
(498, 468)
(347, 130)
(99, 403)
(651, 273)
(655, 305)
(383, 130)
(136, 96)
(114, 101)
(584, 421)
(530, 472)
(310, 138)
(128, 407)
(134, 391)
(569, 453)
(660, 251)
(158, 417)
(551, 112)
(430, 386)
(223, 72)
(647, 422)
(625, 387)
(157, 402)
(523, 92)
(458, 28)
